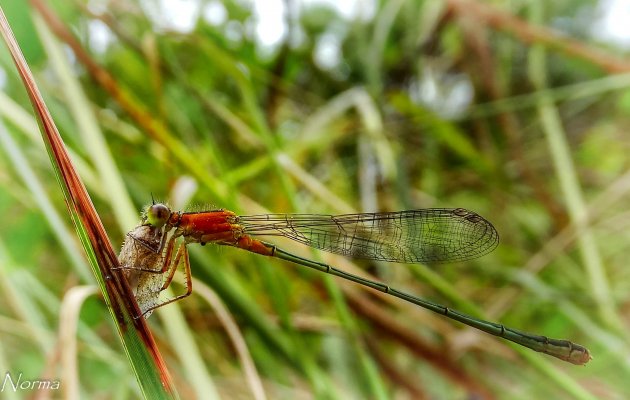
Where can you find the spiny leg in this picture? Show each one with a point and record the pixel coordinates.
(182, 252)
(173, 268)
(167, 256)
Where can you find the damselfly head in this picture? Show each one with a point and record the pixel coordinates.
(156, 215)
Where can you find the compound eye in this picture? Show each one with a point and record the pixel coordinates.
(157, 215)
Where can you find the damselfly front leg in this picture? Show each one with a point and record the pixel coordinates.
(171, 267)
(149, 265)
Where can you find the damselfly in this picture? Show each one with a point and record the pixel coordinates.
(150, 255)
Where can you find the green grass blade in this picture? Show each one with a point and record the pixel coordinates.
(146, 362)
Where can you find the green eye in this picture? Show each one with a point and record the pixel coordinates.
(157, 215)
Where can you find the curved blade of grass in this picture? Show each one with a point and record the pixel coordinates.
(142, 352)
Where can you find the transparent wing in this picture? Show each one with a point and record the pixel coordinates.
(416, 236)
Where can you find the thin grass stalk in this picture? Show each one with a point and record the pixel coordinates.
(570, 186)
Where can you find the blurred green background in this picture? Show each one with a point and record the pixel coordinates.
(517, 110)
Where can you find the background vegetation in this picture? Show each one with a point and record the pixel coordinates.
(512, 109)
